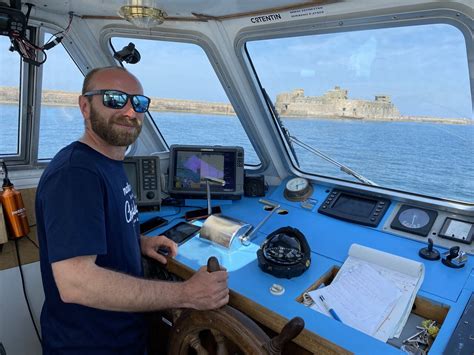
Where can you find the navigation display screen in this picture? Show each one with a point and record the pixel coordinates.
(193, 167)
(354, 205)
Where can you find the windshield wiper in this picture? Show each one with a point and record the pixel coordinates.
(276, 116)
(291, 139)
(342, 167)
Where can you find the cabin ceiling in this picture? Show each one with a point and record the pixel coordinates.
(173, 8)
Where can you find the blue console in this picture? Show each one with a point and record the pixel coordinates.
(446, 290)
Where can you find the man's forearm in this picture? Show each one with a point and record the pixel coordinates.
(101, 288)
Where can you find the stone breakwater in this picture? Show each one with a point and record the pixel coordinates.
(333, 105)
(9, 95)
(336, 104)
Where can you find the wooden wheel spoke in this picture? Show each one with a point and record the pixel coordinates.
(226, 330)
(220, 342)
(230, 331)
(195, 343)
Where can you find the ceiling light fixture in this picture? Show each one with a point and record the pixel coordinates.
(142, 13)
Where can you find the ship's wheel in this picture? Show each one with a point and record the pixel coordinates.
(225, 331)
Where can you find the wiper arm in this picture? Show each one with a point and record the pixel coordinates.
(342, 167)
(290, 140)
(285, 131)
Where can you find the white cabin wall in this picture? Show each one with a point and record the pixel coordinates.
(16, 330)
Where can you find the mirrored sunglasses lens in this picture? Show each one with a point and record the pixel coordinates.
(140, 103)
(115, 99)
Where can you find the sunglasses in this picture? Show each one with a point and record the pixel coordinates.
(118, 99)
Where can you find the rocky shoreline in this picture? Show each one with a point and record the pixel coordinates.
(9, 95)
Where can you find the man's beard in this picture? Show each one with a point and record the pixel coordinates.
(110, 133)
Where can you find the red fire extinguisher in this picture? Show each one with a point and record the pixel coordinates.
(13, 208)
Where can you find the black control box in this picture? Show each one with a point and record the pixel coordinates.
(12, 21)
(254, 186)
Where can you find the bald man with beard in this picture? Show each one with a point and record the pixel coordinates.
(88, 230)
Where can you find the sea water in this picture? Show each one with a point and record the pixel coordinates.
(431, 159)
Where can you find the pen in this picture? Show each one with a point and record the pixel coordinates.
(329, 309)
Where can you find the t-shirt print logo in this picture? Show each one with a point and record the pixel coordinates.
(127, 189)
(131, 209)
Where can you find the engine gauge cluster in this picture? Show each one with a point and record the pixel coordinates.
(446, 229)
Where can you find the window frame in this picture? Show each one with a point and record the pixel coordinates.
(457, 19)
(30, 92)
(25, 108)
(213, 56)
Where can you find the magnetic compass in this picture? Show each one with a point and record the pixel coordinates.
(414, 220)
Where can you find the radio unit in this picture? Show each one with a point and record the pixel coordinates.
(144, 174)
(12, 21)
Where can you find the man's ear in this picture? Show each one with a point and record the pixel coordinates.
(84, 106)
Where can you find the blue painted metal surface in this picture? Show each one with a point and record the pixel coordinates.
(330, 240)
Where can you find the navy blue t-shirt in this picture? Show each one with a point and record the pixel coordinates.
(85, 206)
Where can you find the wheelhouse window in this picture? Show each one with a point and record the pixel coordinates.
(188, 103)
(61, 120)
(392, 104)
(9, 100)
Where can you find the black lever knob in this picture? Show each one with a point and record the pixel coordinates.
(450, 256)
(429, 253)
(430, 244)
(213, 264)
(453, 252)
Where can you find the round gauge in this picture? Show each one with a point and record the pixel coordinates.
(298, 189)
(414, 218)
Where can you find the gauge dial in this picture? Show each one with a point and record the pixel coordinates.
(298, 189)
(414, 220)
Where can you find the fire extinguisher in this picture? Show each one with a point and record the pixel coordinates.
(13, 208)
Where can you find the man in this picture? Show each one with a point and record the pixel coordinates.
(89, 237)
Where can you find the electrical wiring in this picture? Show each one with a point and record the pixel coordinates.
(24, 291)
(30, 51)
(33, 242)
(50, 43)
(27, 50)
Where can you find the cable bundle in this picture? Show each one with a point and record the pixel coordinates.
(30, 51)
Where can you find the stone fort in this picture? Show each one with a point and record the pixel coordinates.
(335, 104)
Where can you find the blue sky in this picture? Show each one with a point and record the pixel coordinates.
(423, 68)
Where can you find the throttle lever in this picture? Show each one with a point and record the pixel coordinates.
(290, 331)
(213, 264)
